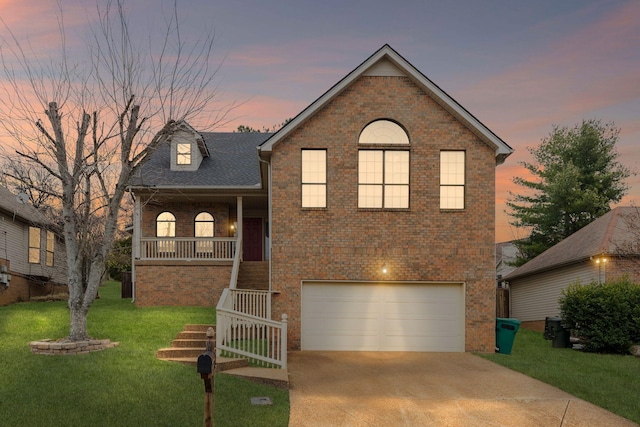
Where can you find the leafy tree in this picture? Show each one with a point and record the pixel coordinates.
(576, 176)
(119, 260)
(92, 124)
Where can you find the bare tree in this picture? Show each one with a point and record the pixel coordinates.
(92, 124)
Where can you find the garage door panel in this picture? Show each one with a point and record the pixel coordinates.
(385, 317)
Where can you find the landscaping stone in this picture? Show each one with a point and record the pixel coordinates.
(635, 350)
(64, 346)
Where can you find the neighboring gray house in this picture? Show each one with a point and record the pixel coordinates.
(32, 255)
(594, 253)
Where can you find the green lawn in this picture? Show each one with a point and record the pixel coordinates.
(609, 381)
(122, 386)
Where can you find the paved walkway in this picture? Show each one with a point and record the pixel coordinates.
(427, 389)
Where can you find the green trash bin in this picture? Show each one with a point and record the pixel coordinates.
(505, 334)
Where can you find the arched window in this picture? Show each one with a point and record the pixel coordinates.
(204, 227)
(383, 174)
(383, 132)
(166, 227)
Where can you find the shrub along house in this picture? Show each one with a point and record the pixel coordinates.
(372, 212)
(32, 255)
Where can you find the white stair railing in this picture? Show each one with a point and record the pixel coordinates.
(244, 327)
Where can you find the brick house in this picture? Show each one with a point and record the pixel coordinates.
(371, 214)
(32, 253)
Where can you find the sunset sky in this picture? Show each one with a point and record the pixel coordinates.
(518, 66)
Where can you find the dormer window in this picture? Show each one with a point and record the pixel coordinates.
(188, 149)
(183, 154)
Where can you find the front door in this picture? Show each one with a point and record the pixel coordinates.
(252, 239)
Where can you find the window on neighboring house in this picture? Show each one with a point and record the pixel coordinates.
(204, 227)
(51, 243)
(383, 175)
(34, 245)
(314, 178)
(452, 179)
(183, 154)
(166, 227)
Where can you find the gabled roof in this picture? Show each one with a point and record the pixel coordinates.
(232, 163)
(25, 211)
(386, 53)
(604, 236)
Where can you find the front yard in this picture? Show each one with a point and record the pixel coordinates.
(609, 381)
(123, 386)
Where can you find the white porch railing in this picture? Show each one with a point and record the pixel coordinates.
(188, 248)
(243, 328)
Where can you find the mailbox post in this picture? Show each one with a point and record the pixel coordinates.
(206, 366)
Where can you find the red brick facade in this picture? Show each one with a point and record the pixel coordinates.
(422, 243)
(188, 283)
(185, 213)
(21, 289)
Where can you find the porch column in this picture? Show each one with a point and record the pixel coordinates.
(239, 219)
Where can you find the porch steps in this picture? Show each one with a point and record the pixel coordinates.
(253, 275)
(191, 343)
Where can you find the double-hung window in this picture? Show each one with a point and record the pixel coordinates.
(452, 179)
(314, 178)
(34, 245)
(183, 154)
(51, 243)
(383, 174)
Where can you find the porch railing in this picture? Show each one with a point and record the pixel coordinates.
(243, 328)
(188, 248)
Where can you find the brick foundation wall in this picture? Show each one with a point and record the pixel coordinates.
(422, 243)
(180, 283)
(21, 289)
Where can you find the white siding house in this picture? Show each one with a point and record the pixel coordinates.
(594, 253)
(31, 252)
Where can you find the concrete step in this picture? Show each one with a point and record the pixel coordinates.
(179, 352)
(201, 343)
(198, 327)
(269, 376)
(193, 335)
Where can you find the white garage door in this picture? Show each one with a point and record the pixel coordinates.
(382, 317)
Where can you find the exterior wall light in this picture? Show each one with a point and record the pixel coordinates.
(601, 262)
(384, 269)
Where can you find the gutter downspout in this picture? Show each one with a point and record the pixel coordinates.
(270, 216)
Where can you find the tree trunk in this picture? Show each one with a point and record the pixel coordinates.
(78, 327)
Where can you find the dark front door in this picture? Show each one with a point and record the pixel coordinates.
(252, 239)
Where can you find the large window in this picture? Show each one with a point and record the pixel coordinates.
(51, 243)
(183, 154)
(452, 179)
(34, 245)
(383, 175)
(314, 178)
(166, 227)
(204, 227)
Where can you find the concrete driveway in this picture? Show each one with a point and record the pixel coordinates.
(427, 389)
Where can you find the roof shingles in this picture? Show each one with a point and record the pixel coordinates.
(603, 236)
